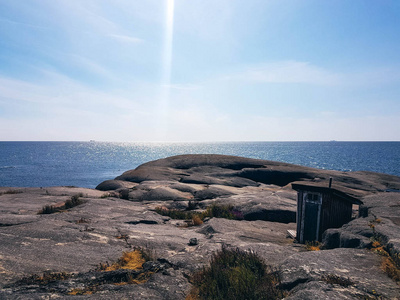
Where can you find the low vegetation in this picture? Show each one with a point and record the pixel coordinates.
(236, 274)
(130, 262)
(48, 209)
(192, 205)
(45, 278)
(82, 221)
(390, 263)
(75, 200)
(390, 268)
(335, 279)
(313, 246)
(10, 192)
(196, 218)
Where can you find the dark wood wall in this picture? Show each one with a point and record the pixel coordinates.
(335, 212)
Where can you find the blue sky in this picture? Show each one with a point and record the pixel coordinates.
(200, 70)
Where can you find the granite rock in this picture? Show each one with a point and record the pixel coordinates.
(120, 215)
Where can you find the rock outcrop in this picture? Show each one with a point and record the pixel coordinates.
(120, 216)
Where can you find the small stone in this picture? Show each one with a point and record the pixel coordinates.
(193, 242)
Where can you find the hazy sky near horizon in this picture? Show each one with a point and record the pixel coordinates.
(200, 70)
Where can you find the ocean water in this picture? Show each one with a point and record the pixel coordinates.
(86, 164)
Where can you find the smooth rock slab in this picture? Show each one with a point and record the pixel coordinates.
(360, 266)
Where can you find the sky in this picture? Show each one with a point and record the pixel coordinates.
(199, 70)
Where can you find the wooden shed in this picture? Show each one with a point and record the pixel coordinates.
(320, 208)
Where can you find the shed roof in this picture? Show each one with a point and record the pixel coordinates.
(326, 190)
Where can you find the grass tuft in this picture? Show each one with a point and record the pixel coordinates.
(236, 274)
(133, 260)
(74, 201)
(70, 203)
(130, 260)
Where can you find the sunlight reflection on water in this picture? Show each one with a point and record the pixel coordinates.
(86, 164)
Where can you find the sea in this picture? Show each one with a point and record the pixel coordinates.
(86, 164)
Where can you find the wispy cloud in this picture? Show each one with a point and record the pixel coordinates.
(61, 92)
(308, 73)
(86, 13)
(126, 38)
(3, 20)
(287, 72)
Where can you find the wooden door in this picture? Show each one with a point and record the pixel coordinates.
(311, 221)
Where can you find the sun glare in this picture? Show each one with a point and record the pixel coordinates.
(168, 41)
(167, 66)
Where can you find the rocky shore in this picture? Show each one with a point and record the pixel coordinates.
(61, 254)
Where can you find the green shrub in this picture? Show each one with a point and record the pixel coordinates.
(175, 213)
(236, 274)
(220, 211)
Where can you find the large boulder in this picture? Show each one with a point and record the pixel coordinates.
(220, 169)
(109, 185)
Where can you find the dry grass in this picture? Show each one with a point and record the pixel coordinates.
(79, 292)
(129, 260)
(388, 264)
(374, 222)
(390, 268)
(196, 220)
(313, 246)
